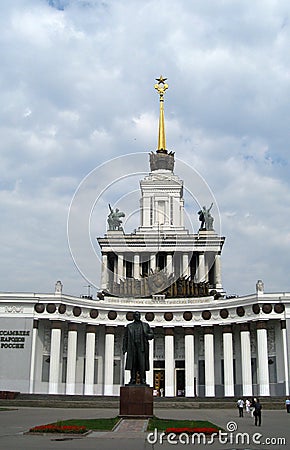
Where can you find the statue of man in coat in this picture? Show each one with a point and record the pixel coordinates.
(135, 344)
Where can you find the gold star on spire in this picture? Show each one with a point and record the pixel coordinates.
(161, 87)
(161, 79)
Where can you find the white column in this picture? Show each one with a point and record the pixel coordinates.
(189, 362)
(206, 268)
(263, 369)
(115, 269)
(145, 214)
(104, 271)
(137, 266)
(149, 377)
(33, 353)
(109, 361)
(185, 265)
(169, 362)
(167, 213)
(181, 212)
(285, 354)
(120, 267)
(218, 272)
(246, 360)
(201, 267)
(228, 361)
(152, 263)
(71, 359)
(176, 212)
(90, 359)
(209, 362)
(54, 357)
(169, 263)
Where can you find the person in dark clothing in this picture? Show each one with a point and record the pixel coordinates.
(240, 405)
(258, 413)
(135, 344)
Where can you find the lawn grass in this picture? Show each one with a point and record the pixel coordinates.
(163, 424)
(92, 424)
(154, 422)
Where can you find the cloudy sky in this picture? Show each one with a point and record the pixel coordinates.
(76, 88)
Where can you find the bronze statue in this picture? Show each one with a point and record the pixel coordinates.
(114, 221)
(135, 344)
(206, 218)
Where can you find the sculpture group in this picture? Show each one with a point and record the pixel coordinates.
(114, 221)
(206, 218)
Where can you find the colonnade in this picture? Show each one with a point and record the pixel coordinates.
(169, 336)
(176, 263)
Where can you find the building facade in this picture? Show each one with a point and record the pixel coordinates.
(205, 344)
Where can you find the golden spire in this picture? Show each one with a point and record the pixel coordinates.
(161, 87)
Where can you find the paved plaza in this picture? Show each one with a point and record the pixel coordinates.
(15, 422)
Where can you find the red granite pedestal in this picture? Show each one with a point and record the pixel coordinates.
(136, 401)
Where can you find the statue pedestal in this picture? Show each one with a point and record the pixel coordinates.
(136, 401)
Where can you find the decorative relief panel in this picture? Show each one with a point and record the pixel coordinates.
(159, 346)
(201, 344)
(97, 340)
(14, 309)
(118, 342)
(179, 346)
(64, 341)
(46, 340)
(253, 340)
(271, 341)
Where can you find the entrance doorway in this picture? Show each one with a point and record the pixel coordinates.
(159, 382)
(180, 382)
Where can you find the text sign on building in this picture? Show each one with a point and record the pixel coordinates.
(13, 339)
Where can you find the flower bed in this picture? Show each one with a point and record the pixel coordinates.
(54, 428)
(204, 430)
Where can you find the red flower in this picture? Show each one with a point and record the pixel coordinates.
(54, 428)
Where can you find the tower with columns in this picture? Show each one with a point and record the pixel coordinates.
(161, 243)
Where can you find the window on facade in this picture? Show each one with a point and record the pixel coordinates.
(45, 368)
(180, 364)
(161, 260)
(96, 378)
(159, 364)
(201, 372)
(117, 372)
(272, 369)
(254, 370)
(129, 269)
(64, 367)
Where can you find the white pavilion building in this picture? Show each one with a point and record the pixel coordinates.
(205, 344)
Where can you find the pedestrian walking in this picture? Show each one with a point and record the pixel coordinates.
(252, 408)
(258, 413)
(240, 405)
(248, 405)
(287, 404)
